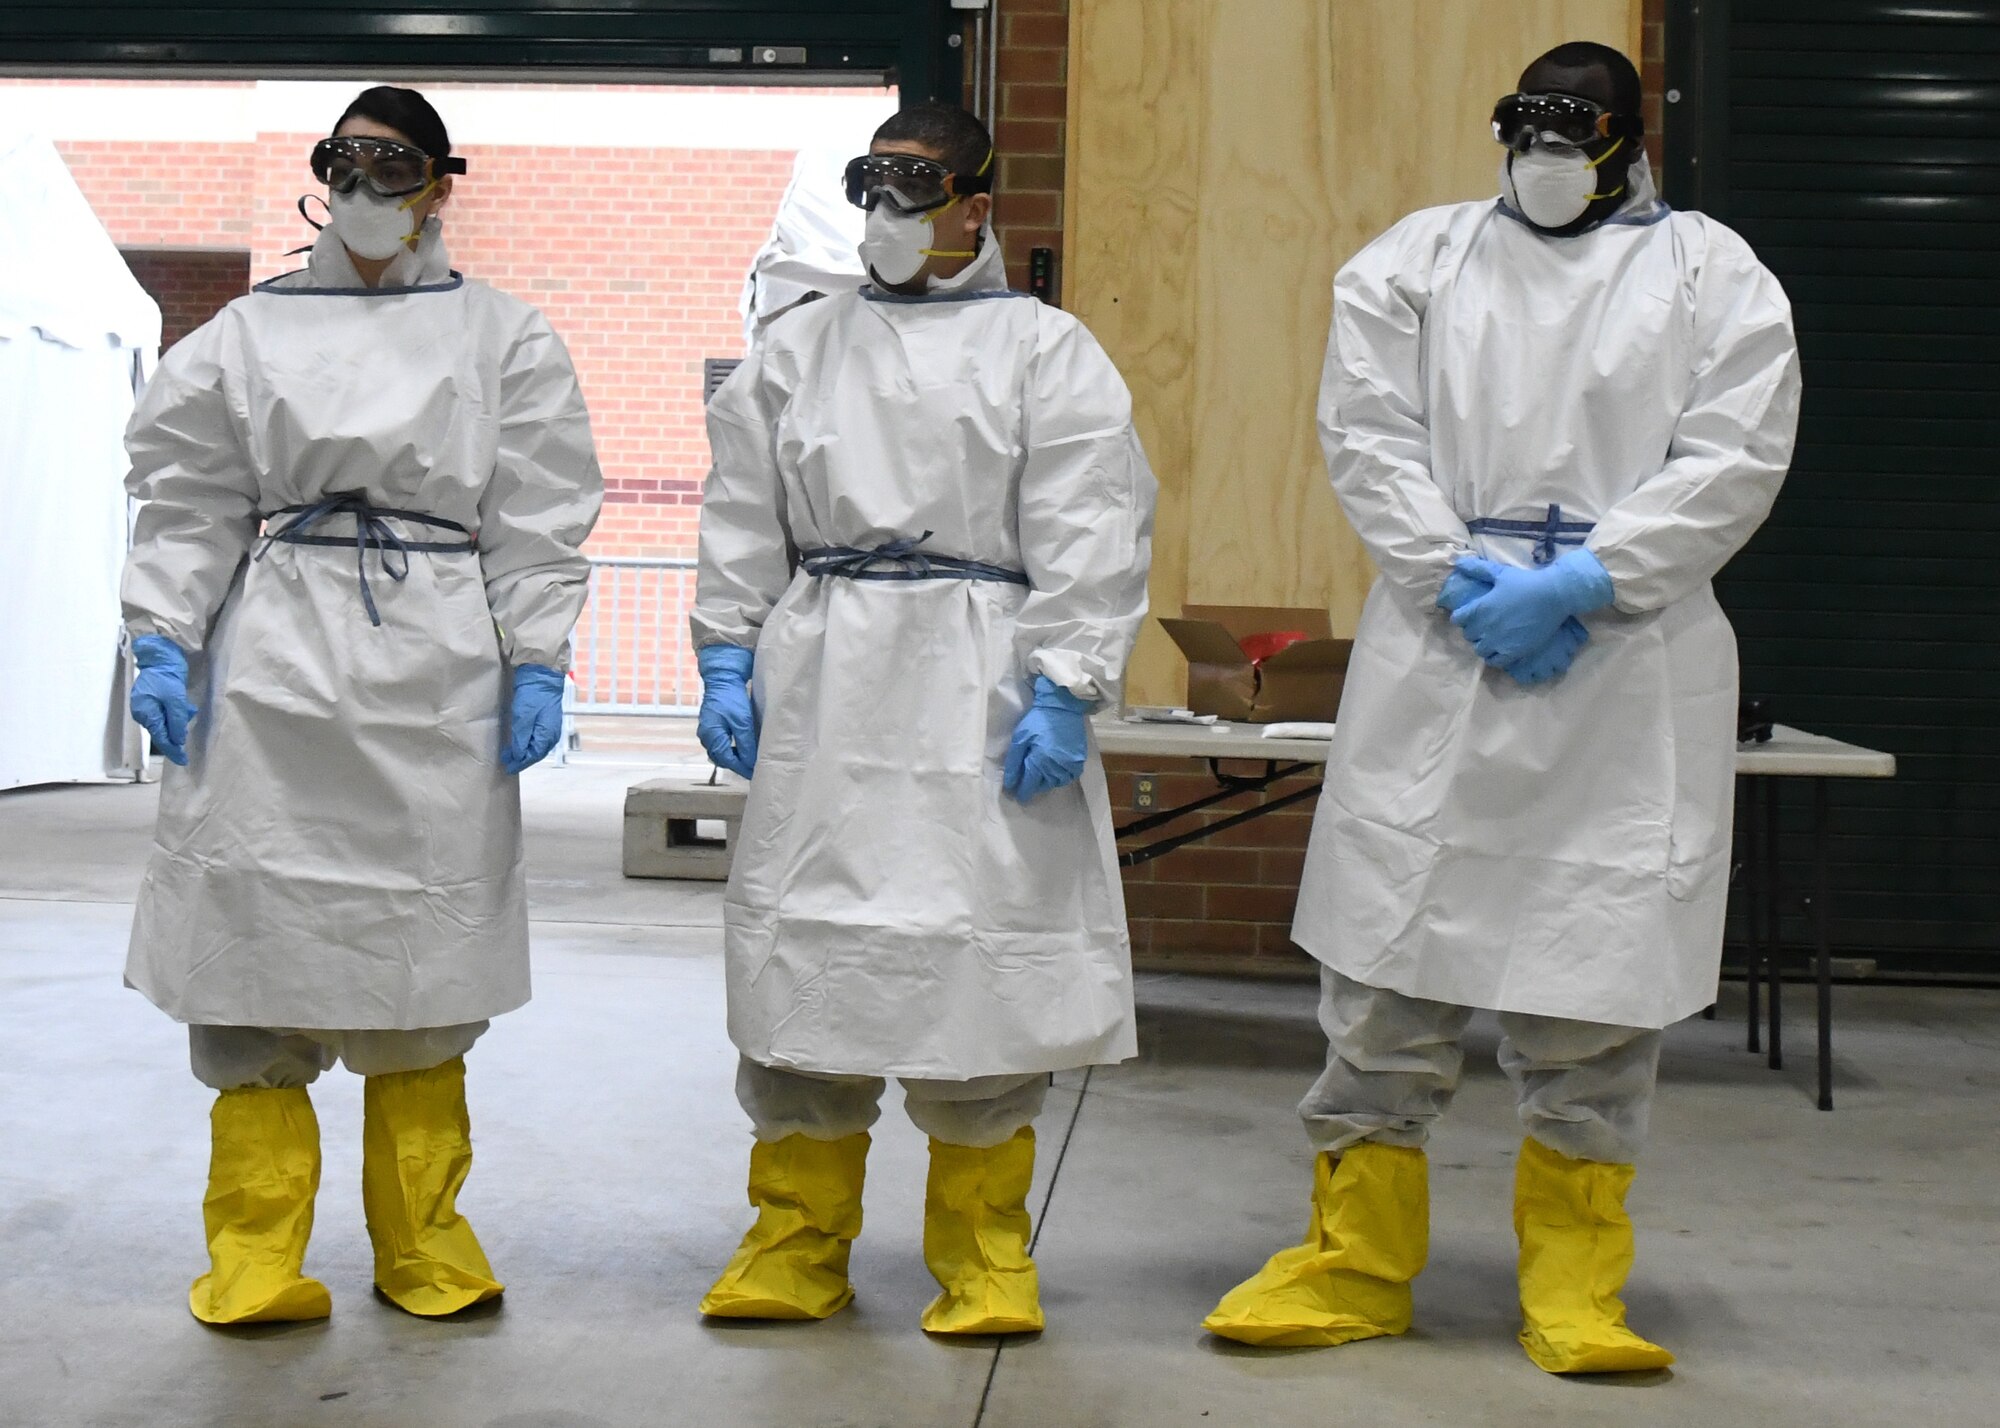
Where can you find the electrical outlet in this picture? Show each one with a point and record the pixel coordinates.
(1145, 794)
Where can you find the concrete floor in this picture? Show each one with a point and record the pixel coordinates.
(1810, 1269)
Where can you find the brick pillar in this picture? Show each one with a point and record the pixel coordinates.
(1653, 74)
(1029, 130)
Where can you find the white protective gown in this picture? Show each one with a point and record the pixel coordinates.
(890, 911)
(1561, 850)
(343, 849)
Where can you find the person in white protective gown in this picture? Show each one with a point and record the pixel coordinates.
(927, 533)
(1551, 419)
(350, 594)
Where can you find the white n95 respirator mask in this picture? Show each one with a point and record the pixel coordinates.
(1552, 186)
(895, 246)
(373, 226)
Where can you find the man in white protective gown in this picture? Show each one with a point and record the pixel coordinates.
(350, 595)
(925, 545)
(1551, 419)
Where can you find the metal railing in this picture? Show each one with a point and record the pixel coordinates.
(630, 652)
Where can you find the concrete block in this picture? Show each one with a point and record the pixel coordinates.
(665, 836)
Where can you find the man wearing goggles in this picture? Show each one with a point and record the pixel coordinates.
(914, 224)
(924, 548)
(1551, 420)
(1568, 157)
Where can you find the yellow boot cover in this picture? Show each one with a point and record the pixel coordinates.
(1576, 1249)
(976, 1238)
(1350, 1279)
(263, 1172)
(416, 1150)
(793, 1262)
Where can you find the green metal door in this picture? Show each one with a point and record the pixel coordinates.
(1856, 144)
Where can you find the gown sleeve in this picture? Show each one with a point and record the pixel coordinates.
(199, 515)
(541, 502)
(746, 555)
(1373, 422)
(1085, 516)
(1730, 448)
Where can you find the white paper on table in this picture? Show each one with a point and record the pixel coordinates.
(1298, 729)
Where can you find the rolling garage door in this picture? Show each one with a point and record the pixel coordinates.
(722, 40)
(1856, 144)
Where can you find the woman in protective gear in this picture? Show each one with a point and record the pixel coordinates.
(350, 592)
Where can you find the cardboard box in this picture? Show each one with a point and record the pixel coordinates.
(1302, 682)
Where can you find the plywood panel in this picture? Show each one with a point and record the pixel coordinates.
(1133, 160)
(1226, 156)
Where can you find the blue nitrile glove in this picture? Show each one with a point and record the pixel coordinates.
(728, 723)
(1552, 661)
(159, 699)
(1461, 588)
(1051, 743)
(1523, 610)
(535, 719)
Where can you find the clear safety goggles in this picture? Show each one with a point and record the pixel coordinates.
(390, 168)
(1520, 119)
(910, 184)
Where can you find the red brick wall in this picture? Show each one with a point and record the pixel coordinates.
(190, 287)
(1028, 131)
(1225, 903)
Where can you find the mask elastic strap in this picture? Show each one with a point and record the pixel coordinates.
(932, 218)
(410, 203)
(1595, 197)
(311, 222)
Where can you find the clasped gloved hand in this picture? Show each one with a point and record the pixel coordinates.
(727, 726)
(535, 718)
(1552, 660)
(159, 699)
(1525, 609)
(1051, 743)
(1461, 588)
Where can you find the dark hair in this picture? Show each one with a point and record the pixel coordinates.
(1627, 94)
(959, 140)
(405, 111)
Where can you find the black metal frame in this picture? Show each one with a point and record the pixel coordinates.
(1764, 899)
(1229, 786)
(1696, 111)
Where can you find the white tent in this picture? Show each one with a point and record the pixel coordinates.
(77, 337)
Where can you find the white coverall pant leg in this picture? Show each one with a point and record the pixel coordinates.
(1584, 1089)
(226, 1058)
(982, 1112)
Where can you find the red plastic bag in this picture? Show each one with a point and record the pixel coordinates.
(1258, 648)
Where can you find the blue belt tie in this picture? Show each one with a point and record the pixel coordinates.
(901, 560)
(372, 531)
(1548, 533)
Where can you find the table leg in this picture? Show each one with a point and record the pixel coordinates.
(1774, 912)
(1822, 939)
(1753, 946)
